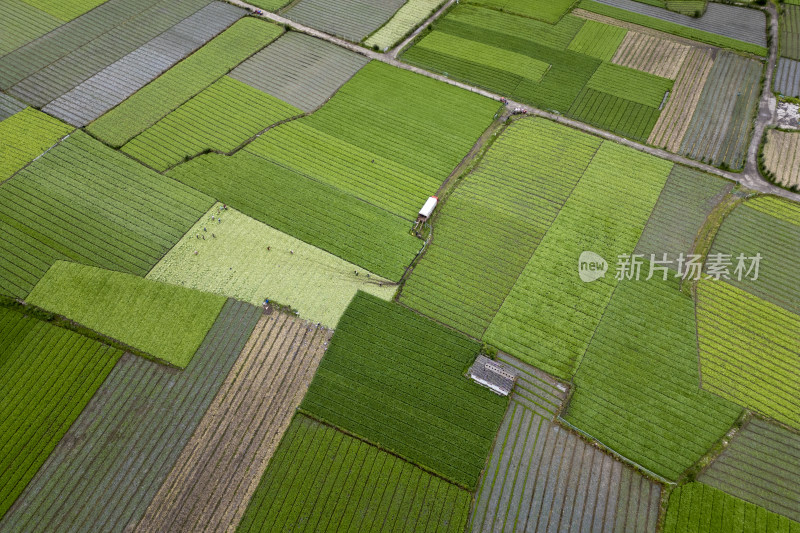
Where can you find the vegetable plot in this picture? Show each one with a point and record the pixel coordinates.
(165, 321)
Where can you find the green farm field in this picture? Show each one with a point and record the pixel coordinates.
(48, 376)
(242, 258)
(396, 380)
(316, 465)
(165, 321)
(25, 136)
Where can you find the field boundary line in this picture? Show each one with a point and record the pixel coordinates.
(603, 447)
(29, 163)
(308, 414)
(747, 177)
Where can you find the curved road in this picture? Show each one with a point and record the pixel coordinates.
(749, 178)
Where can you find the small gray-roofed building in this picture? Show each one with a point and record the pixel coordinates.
(493, 375)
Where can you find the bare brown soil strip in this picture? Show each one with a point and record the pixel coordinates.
(677, 114)
(220, 467)
(651, 54)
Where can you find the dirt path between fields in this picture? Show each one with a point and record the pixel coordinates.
(749, 178)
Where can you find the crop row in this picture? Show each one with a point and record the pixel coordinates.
(244, 259)
(782, 153)
(549, 11)
(549, 316)
(349, 19)
(220, 118)
(698, 508)
(413, 13)
(750, 231)
(22, 23)
(318, 214)
(166, 321)
(388, 136)
(748, 350)
(609, 112)
(48, 376)
(671, 127)
(180, 83)
(761, 465)
(630, 84)
(84, 202)
(107, 468)
(395, 379)
(636, 388)
(789, 28)
(681, 210)
(598, 40)
(26, 134)
(106, 89)
(506, 205)
(321, 479)
(542, 477)
(299, 69)
(655, 55)
(70, 68)
(218, 471)
(722, 121)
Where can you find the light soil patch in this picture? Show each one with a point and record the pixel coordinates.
(782, 153)
(677, 114)
(788, 115)
(219, 469)
(240, 257)
(651, 54)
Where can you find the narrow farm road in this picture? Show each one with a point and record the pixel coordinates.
(749, 178)
(396, 50)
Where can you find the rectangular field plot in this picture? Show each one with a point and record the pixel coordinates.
(216, 474)
(549, 11)
(107, 468)
(489, 227)
(70, 67)
(637, 388)
(722, 121)
(396, 379)
(118, 81)
(787, 77)
(548, 317)
(26, 134)
(648, 53)
(789, 29)
(221, 118)
(322, 478)
(316, 213)
(349, 19)
(749, 351)
(48, 375)
(542, 477)
(22, 23)
(300, 70)
(87, 203)
(682, 208)
(698, 508)
(761, 465)
(240, 257)
(721, 25)
(389, 137)
(412, 14)
(782, 157)
(163, 320)
(671, 127)
(598, 40)
(568, 66)
(759, 227)
(180, 83)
